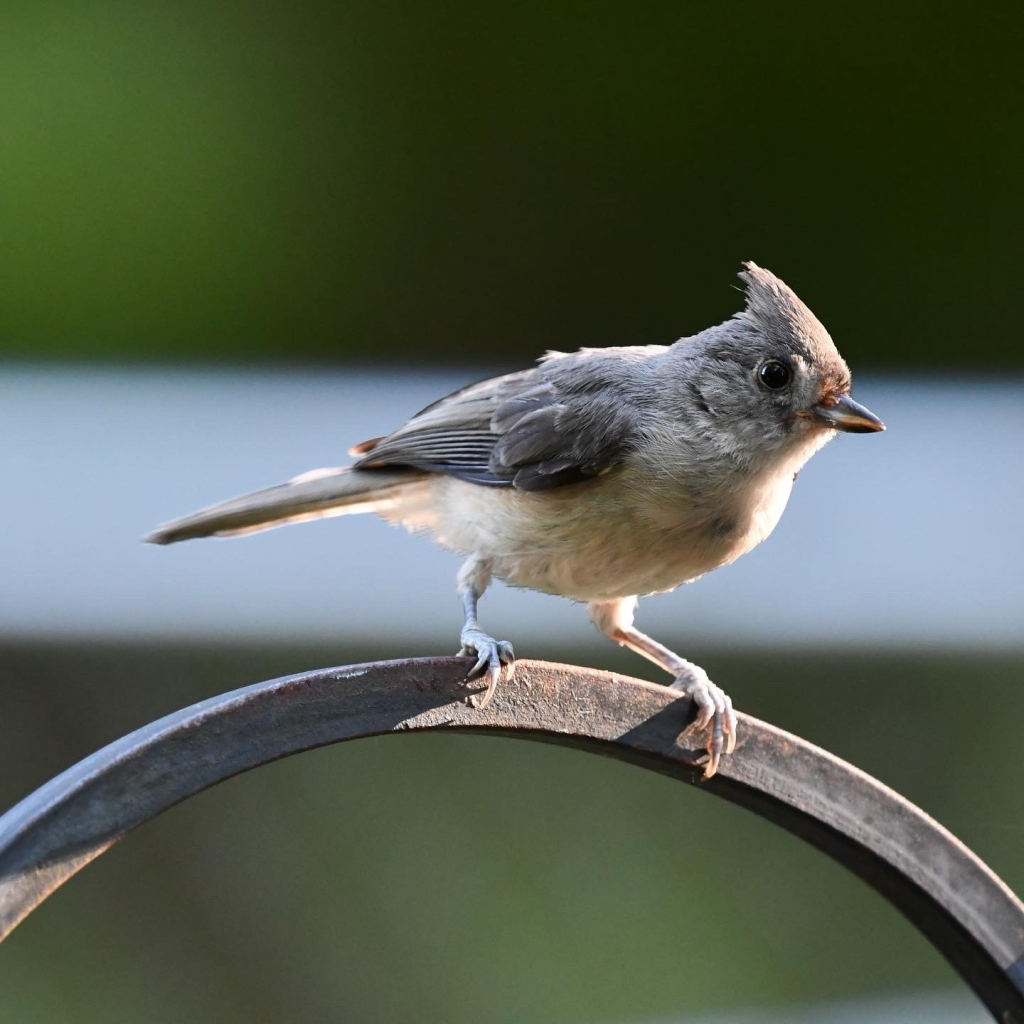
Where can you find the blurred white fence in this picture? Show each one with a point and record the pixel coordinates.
(906, 538)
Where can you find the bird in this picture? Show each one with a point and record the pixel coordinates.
(600, 475)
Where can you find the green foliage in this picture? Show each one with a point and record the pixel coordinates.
(402, 181)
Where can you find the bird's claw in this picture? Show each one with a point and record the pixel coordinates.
(714, 707)
(491, 655)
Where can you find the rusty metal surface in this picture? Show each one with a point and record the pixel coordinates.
(943, 888)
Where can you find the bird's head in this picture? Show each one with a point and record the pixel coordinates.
(771, 377)
(797, 370)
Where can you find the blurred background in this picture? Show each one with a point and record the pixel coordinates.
(239, 237)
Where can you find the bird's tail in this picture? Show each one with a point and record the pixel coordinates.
(323, 492)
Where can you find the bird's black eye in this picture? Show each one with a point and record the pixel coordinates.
(774, 375)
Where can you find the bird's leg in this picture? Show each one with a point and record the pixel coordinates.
(491, 654)
(615, 620)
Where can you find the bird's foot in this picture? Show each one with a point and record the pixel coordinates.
(713, 705)
(491, 654)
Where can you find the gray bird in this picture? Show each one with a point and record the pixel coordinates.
(599, 475)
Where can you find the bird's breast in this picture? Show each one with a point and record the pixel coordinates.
(613, 537)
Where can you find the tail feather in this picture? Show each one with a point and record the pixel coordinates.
(323, 492)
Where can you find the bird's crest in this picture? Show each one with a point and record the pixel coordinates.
(779, 312)
(768, 298)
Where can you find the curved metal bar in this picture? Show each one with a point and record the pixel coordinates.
(943, 888)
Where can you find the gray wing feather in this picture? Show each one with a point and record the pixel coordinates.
(568, 441)
(568, 420)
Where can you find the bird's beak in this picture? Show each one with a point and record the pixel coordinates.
(847, 415)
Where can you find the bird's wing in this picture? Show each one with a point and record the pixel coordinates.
(567, 420)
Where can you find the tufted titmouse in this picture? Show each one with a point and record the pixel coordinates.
(598, 475)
